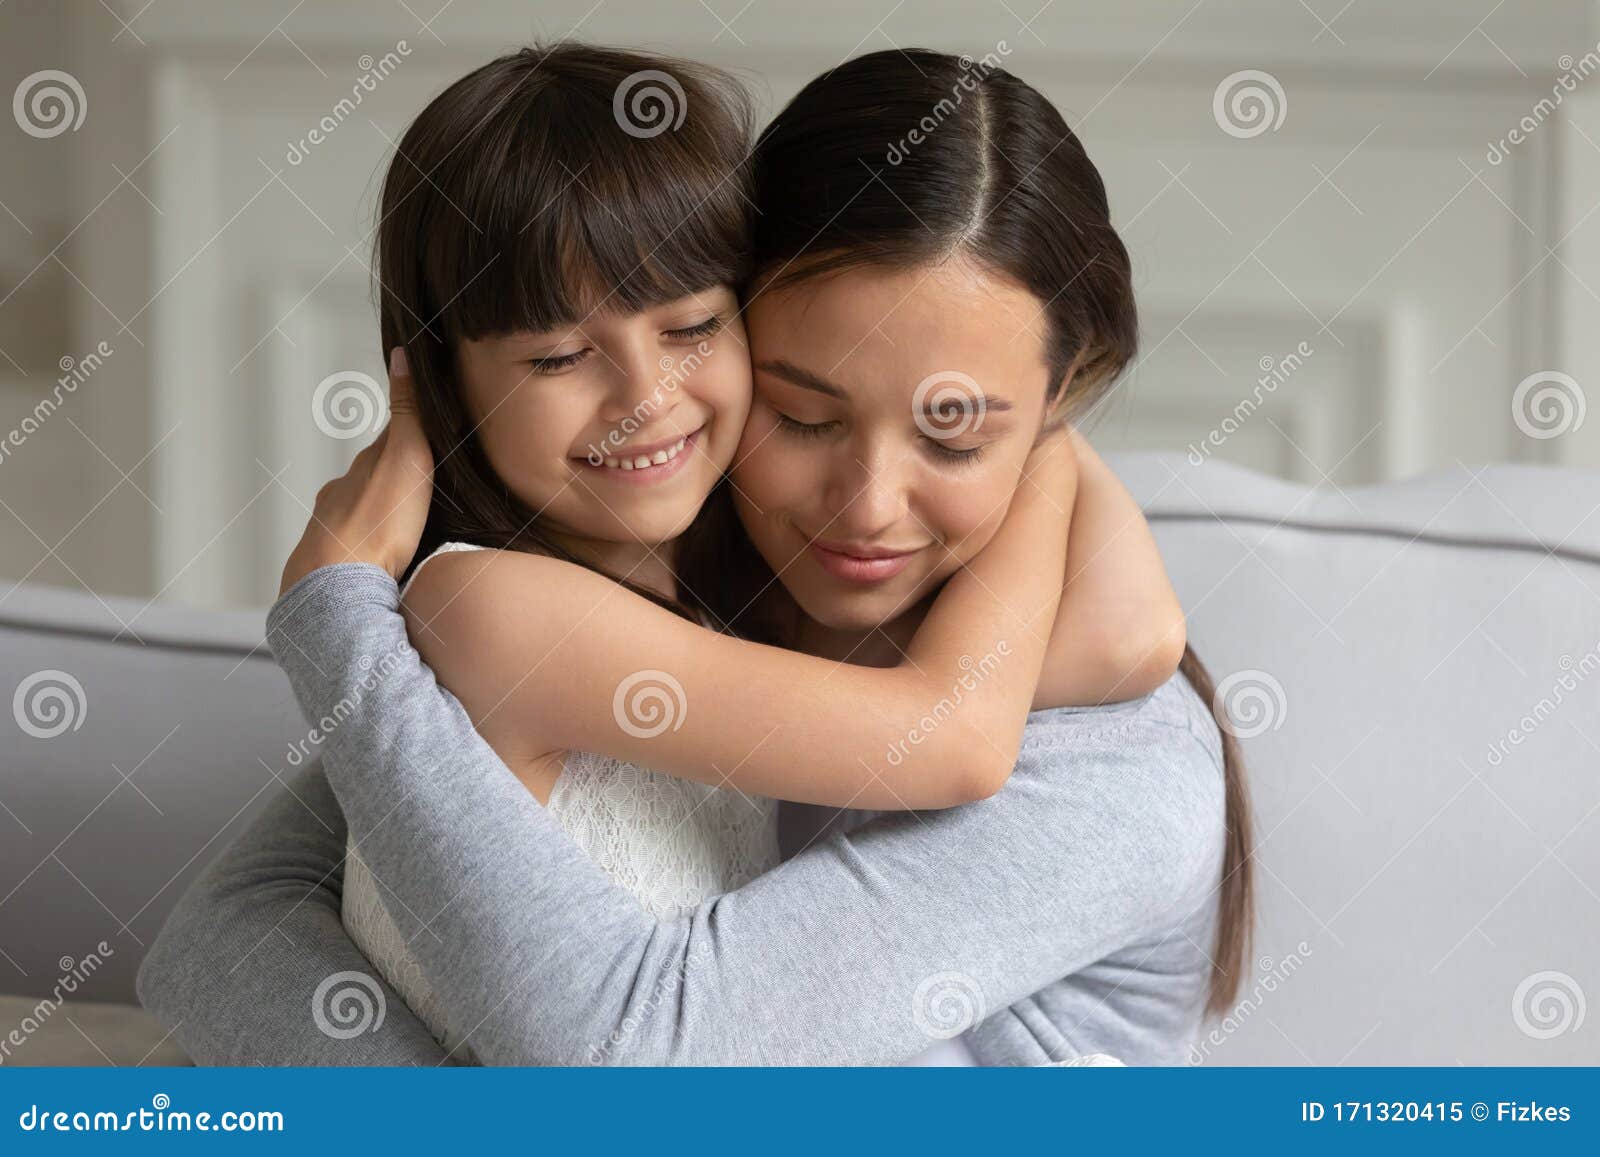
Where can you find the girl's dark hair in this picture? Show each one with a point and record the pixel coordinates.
(905, 157)
(548, 184)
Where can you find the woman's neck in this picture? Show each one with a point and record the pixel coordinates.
(881, 646)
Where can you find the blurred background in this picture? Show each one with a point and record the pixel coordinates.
(1362, 235)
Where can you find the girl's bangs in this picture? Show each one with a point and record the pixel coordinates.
(558, 226)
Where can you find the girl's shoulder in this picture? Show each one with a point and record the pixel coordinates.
(452, 569)
(443, 548)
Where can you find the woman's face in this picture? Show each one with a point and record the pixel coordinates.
(617, 428)
(892, 414)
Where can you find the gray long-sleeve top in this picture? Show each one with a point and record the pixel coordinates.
(1070, 913)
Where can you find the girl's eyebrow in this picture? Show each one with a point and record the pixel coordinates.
(805, 379)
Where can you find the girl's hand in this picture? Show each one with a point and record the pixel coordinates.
(376, 510)
(1052, 469)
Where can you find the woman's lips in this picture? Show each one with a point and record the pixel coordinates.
(858, 568)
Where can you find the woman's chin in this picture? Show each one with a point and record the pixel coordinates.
(859, 611)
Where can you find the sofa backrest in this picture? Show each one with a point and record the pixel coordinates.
(1414, 670)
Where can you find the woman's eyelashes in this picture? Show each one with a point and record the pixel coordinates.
(941, 453)
(952, 455)
(802, 429)
(555, 363)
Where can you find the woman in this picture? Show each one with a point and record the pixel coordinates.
(965, 237)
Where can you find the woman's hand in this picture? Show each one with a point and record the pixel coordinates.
(376, 510)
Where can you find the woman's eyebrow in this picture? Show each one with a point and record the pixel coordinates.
(805, 379)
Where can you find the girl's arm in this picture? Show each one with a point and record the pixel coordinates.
(1120, 630)
(1108, 834)
(587, 665)
(239, 962)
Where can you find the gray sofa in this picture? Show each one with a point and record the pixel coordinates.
(1414, 667)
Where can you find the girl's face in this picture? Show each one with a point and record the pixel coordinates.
(892, 415)
(615, 429)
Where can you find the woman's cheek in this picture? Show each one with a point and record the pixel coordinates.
(966, 517)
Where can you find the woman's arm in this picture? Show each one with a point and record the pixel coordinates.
(1120, 631)
(1110, 827)
(237, 966)
(589, 666)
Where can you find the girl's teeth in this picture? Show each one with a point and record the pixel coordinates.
(644, 461)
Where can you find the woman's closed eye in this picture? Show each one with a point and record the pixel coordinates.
(802, 429)
(953, 455)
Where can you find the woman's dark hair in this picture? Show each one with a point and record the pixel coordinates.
(905, 157)
(547, 184)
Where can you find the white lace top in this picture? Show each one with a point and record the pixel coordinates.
(671, 842)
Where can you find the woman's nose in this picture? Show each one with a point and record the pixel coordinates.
(865, 494)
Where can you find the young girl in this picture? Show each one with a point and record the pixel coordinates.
(566, 270)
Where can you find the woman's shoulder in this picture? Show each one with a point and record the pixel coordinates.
(1166, 741)
(1150, 767)
(1173, 704)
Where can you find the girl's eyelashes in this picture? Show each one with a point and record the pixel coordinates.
(557, 363)
(703, 329)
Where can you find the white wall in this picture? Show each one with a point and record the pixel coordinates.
(1427, 281)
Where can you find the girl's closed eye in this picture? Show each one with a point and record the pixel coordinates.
(701, 329)
(555, 363)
